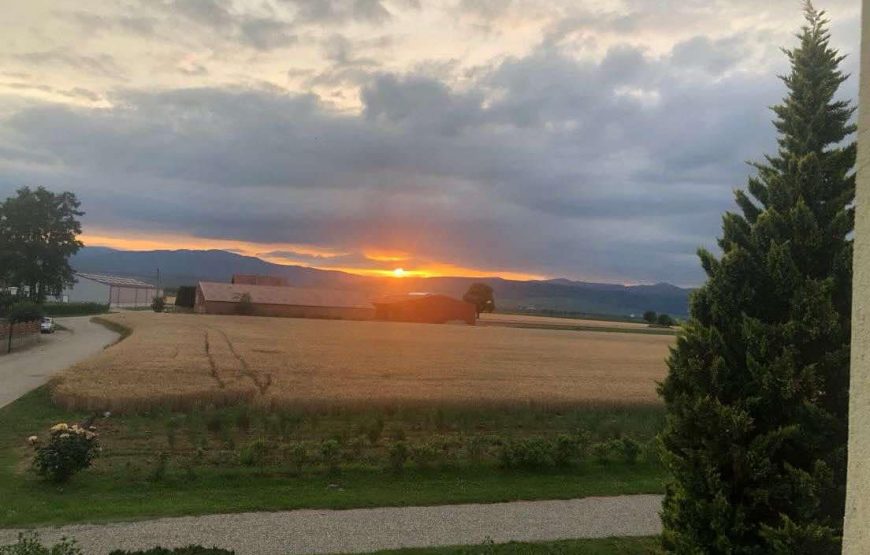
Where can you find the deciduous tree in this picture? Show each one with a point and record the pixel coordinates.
(481, 296)
(38, 234)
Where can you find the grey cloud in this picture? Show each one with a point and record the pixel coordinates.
(343, 53)
(215, 13)
(340, 11)
(713, 56)
(420, 103)
(266, 34)
(612, 169)
(256, 31)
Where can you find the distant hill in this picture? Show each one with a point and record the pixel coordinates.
(186, 267)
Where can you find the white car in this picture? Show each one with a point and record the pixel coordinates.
(47, 325)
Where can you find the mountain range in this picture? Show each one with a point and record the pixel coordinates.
(186, 267)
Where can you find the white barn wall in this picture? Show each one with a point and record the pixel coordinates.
(86, 291)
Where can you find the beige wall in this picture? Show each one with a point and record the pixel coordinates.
(857, 534)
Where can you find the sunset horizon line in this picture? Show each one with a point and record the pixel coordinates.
(398, 270)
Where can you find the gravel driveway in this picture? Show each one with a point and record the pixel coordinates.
(25, 370)
(363, 530)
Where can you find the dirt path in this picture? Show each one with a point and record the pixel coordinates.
(364, 530)
(28, 369)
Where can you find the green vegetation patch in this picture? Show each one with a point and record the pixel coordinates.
(240, 459)
(74, 309)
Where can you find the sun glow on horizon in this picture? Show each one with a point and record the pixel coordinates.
(310, 256)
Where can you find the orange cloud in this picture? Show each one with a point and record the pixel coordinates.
(378, 257)
(382, 255)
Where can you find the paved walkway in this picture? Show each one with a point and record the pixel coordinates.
(28, 369)
(363, 530)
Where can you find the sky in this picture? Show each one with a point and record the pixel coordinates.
(598, 140)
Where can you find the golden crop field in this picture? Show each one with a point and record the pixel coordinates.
(188, 360)
(530, 319)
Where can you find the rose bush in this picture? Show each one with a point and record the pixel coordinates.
(68, 450)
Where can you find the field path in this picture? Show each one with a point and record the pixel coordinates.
(28, 369)
(364, 530)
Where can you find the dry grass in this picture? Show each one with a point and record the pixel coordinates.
(185, 360)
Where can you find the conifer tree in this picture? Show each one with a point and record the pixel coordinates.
(757, 390)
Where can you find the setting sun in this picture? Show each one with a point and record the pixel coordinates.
(399, 272)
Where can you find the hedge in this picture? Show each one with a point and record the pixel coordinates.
(74, 309)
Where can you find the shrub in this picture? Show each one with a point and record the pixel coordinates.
(398, 456)
(29, 544)
(296, 455)
(601, 451)
(255, 453)
(172, 426)
(330, 453)
(566, 450)
(397, 433)
(158, 304)
(665, 320)
(68, 450)
(214, 423)
(528, 454)
(24, 311)
(584, 440)
(161, 465)
(357, 446)
(424, 455)
(74, 309)
(6, 300)
(476, 448)
(243, 421)
(375, 430)
(630, 449)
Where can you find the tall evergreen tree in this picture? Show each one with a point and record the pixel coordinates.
(757, 393)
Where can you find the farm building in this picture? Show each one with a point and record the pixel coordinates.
(271, 300)
(424, 307)
(113, 290)
(250, 279)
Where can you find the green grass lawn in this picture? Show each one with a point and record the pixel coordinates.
(174, 464)
(605, 546)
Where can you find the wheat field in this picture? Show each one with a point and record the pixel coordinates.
(529, 319)
(183, 361)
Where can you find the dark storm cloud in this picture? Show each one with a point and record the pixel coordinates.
(610, 169)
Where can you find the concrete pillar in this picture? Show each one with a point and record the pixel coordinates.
(857, 532)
